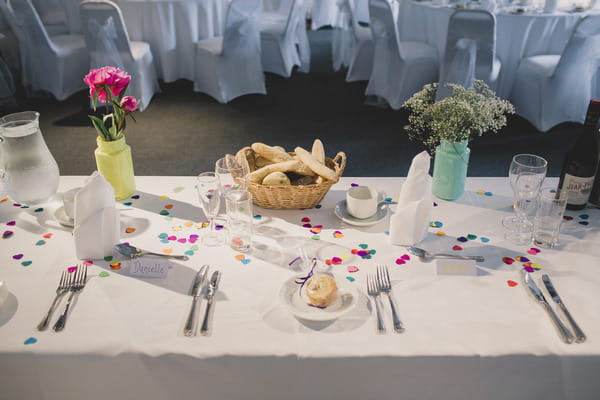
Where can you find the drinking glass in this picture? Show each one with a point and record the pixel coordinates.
(549, 216)
(239, 219)
(526, 174)
(233, 173)
(210, 201)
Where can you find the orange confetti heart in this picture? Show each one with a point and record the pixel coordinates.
(167, 251)
(188, 224)
(440, 233)
(130, 230)
(169, 206)
(4, 199)
(240, 257)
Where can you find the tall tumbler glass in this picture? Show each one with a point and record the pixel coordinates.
(546, 225)
(210, 200)
(526, 174)
(239, 219)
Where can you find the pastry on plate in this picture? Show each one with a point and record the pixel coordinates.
(321, 290)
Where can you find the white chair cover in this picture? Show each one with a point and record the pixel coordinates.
(341, 38)
(400, 69)
(230, 66)
(284, 42)
(7, 85)
(108, 43)
(470, 51)
(361, 11)
(550, 89)
(55, 64)
(324, 13)
(53, 16)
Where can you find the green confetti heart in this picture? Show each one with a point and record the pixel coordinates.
(169, 218)
(108, 258)
(350, 278)
(39, 209)
(103, 274)
(163, 235)
(316, 237)
(194, 247)
(189, 253)
(40, 243)
(164, 212)
(470, 236)
(363, 246)
(26, 263)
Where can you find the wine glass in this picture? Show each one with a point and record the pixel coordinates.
(210, 201)
(526, 174)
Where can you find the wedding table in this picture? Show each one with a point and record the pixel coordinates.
(518, 35)
(467, 337)
(171, 27)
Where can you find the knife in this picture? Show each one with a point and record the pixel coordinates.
(188, 330)
(579, 335)
(210, 295)
(565, 335)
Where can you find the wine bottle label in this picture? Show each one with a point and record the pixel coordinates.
(578, 188)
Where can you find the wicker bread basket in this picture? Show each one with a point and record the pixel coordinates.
(294, 197)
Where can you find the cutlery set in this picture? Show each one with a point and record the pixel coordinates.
(70, 282)
(564, 333)
(197, 287)
(380, 283)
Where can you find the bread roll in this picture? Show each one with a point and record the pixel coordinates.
(321, 290)
(276, 179)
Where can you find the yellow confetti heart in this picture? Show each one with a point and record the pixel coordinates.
(344, 256)
(177, 228)
(163, 197)
(188, 224)
(167, 251)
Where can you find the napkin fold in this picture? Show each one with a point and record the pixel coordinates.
(408, 224)
(96, 219)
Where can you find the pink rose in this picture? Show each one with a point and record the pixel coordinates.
(129, 103)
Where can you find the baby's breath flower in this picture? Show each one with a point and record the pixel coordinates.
(466, 114)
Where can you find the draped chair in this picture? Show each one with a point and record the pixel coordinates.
(400, 69)
(230, 66)
(554, 88)
(54, 64)
(470, 51)
(108, 43)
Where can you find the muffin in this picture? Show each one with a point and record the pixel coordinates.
(321, 290)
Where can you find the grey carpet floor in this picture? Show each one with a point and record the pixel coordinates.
(183, 133)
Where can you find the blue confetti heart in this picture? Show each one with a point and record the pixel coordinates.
(484, 239)
(40, 243)
(584, 216)
(26, 263)
(164, 240)
(387, 233)
(127, 203)
(258, 216)
(189, 253)
(31, 340)
(163, 235)
(584, 222)
(245, 260)
(350, 278)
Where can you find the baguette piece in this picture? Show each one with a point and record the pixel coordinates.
(316, 166)
(318, 151)
(271, 153)
(293, 165)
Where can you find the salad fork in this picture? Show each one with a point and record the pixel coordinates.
(385, 286)
(76, 284)
(63, 287)
(373, 291)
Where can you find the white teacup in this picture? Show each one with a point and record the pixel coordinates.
(361, 202)
(69, 202)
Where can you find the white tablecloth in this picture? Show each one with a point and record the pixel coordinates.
(466, 337)
(517, 35)
(171, 27)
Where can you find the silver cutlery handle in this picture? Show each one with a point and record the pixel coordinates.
(204, 328)
(188, 330)
(182, 258)
(398, 327)
(43, 325)
(476, 258)
(565, 335)
(62, 320)
(380, 324)
(579, 335)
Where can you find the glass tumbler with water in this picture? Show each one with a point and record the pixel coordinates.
(549, 216)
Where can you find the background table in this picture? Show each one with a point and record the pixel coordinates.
(472, 337)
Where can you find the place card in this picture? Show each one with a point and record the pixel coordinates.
(456, 267)
(149, 267)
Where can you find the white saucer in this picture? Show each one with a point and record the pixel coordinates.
(62, 218)
(3, 293)
(297, 305)
(341, 212)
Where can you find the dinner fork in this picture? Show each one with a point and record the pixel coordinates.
(385, 286)
(76, 284)
(63, 287)
(373, 291)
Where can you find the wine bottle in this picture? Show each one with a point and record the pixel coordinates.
(581, 161)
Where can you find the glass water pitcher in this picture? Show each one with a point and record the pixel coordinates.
(28, 170)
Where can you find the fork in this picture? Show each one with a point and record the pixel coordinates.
(385, 286)
(373, 291)
(76, 284)
(63, 287)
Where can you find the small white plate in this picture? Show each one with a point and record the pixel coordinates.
(342, 213)
(296, 303)
(62, 218)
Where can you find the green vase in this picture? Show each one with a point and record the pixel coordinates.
(450, 169)
(114, 162)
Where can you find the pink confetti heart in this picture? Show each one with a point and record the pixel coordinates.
(11, 223)
(193, 240)
(456, 248)
(71, 269)
(533, 251)
(352, 268)
(172, 238)
(405, 257)
(18, 256)
(400, 261)
(305, 219)
(7, 234)
(182, 240)
(336, 260)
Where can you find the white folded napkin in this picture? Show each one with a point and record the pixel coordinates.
(550, 6)
(408, 224)
(96, 219)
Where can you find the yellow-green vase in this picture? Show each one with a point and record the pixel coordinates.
(113, 160)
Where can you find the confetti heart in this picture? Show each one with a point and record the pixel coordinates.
(88, 263)
(38, 209)
(26, 263)
(405, 257)
(436, 224)
(584, 222)
(584, 216)
(470, 236)
(169, 206)
(16, 205)
(189, 253)
(336, 260)
(188, 224)
(130, 230)
(315, 237)
(4, 199)
(40, 243)
(462, 239)
(307, 226)
(484, 239)
(400, 261)
(528, 269)
(508, 260)
(456, 248)
(167, 251)
(103, 274)
(363, 246)
(164, 212)
(127, 203)
(440, 233)
(71, 269)
(533, 251)
(245, 261)
(18, 256)
(305, 219)
(164, 240)
(338, 234)
(511, 283)
(182, 240)
(352, 268)
(47, 236)
(318, 206)
(194, 247)
(240, 257)
(328, 262)
(7, 234)
(218, 227)
(163, 236)
(163, 197)
(177, 228)
(193, 240)
(30, 340)
(115, 265)
(353, 184)
(522, 259)
(489, 193)
(172, 237)
(316, 231)
(11, 223)
(135, 196)
(108, 258)
(567, 217)
(350, 278)
(178, 189)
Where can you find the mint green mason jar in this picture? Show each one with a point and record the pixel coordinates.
(450, 169)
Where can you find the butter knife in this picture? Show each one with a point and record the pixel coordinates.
(579, 335)
(188, 330)
(210, 295)
(565, 335)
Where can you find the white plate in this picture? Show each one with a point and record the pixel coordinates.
(341, 212)
(3, 293)
(62, 218)
(297, 304)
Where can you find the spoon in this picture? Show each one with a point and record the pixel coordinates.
(134, 252)
(425, 255)
(382, 204)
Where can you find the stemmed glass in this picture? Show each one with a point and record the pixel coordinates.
(526, 174)
(233, 173)
(210, 201)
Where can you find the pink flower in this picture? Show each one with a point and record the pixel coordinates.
(112, 77)
(129, 103)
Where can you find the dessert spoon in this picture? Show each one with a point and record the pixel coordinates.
(426, 256)
(134, 252)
